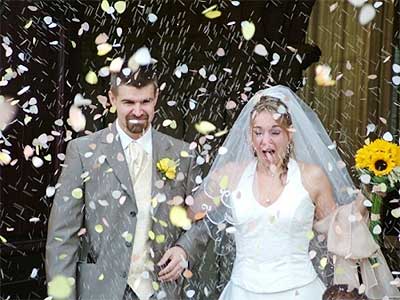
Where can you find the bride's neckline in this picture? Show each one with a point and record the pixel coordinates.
(272, 202)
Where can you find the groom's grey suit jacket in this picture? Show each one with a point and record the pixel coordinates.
(99, 259)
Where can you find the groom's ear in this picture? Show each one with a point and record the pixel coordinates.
(112, 97)
(156, 94)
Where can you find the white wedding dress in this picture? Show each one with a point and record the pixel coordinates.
(272, 243)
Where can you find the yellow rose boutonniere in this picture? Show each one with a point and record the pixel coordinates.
(167, 167)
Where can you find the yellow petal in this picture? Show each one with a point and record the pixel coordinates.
(27, 119)
(5, 159)
(101, 277)
(178, 216)
(184, 154)
(205, 127)
(323, 262)
(103, 49)
(160, 238)
(77, 193)
(91, 77)
(99, 228)
(223, 184)
(105, 5)
(120, 6)
(310, 235)
(113, 109)
(59, 287)
(154, 202)
(155, 285)
(163, 223)
(127, 236)
(152, 235)
(213, 14)
(173, 124)
(248, 29)
(3, 239)
(27, 25)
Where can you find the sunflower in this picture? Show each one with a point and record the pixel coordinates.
(380, 157)
(363, 157)
(382, 163)
(398, 156)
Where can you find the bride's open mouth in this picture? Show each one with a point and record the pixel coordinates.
(268, 153)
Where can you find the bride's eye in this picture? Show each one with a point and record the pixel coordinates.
(275, 132)
(258, 133)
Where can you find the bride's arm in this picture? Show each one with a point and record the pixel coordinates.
(317, 183)
(319, 188)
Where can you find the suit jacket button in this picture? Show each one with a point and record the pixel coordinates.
(132, 213)
(128, 244)
(124, 274)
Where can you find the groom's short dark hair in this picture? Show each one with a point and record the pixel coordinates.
(141, 77)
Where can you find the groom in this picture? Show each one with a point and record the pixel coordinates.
(109, 224)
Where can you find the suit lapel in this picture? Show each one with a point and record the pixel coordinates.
(116, 159)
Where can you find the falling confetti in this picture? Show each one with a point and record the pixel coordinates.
(205, 127)
(60, 287)
(323, 76)
(120, 7)
(91, 78)
(367, 14)
(178, 217)
(76, 119)
(260, 50)
(248, 29)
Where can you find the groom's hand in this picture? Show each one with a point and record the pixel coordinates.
(175, 261)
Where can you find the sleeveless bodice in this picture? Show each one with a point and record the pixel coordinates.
(272, 243)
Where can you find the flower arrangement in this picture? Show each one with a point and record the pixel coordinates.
(167, 167)
(378, 167)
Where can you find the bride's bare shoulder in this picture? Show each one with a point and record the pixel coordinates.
(310, 171)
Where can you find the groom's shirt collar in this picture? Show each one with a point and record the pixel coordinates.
(145, 141)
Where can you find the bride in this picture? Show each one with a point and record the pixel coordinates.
(278, 185)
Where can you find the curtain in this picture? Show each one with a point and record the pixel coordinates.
(361, 58)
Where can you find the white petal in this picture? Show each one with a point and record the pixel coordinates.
(388, 136)
(260, 50)
(37, 162)
(367, 14)
(396, 80)
(152, 18)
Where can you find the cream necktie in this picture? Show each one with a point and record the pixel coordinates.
(136, 153)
